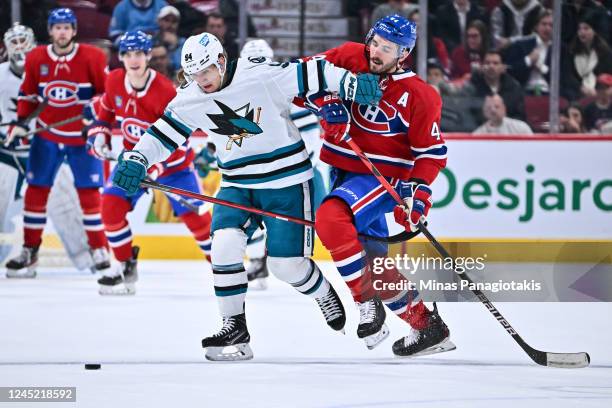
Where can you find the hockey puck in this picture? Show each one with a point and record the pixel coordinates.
(93, 366)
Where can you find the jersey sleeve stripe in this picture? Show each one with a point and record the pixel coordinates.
(303, 78)
(435, 152)
(321, 76)
(165, 140)
(179, 127)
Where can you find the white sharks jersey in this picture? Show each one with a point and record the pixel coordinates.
(9, 90)
(248, 121)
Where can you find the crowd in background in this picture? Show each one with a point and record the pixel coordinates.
(489, 59)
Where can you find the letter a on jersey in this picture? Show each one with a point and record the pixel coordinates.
(403, 100)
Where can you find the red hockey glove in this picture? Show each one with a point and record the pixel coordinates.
(417, 202)
(334, 116)
(99, 141)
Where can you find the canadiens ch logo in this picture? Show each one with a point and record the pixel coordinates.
(235, 126)
(383, 119)
(133, 129)
(61, 93)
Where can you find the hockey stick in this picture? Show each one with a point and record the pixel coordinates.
(544, 358)
(108, 155)
(54, 125)
(41, 106)
(167, 189)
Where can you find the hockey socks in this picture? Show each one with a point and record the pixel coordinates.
(92, 219)
(117, 228)
(335, 228)
(34, 215)
(199, 225)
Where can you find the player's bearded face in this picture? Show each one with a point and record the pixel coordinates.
(383, 56)
(135, 62)
(62, 35)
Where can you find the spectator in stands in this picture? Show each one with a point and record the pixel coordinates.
(390, 7)
(168, 21)
(497, 123)
(528, 60)
(591, 56)
(160, 61)
(105, 45)
(598, 114)
(132, 15)
(190, 17)
(493, 79)
(513, 19)
(215, 24)
(229, 10)
(452, 20)
(436, 77)
(572, 120)
(436, 50)
(467, 58)
(574, 11)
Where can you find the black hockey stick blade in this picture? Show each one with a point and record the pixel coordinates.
(543, 358)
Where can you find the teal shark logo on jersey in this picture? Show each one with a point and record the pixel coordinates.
(236, 124)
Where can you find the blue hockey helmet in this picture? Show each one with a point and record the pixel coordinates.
(61, 16)
(396, 29)
(135, 41)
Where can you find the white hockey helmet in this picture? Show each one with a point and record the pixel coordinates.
(19, 40)
(201, 51)
(257, 48)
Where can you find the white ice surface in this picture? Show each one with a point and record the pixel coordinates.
(149, 348)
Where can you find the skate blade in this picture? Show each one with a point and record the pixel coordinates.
(237, 352)
(258, 284)
(442, 347)
(16, 274)
(117, 290)
(375, 339)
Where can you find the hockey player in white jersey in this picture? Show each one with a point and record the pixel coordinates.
(63, 210)
(307, 124)
(244, 108)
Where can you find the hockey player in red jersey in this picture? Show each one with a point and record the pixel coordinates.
(401, 136)
(135, 96)
(67, 75)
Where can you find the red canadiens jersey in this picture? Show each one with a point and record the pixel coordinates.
(67, 82)
(401, 135)
(136, 110)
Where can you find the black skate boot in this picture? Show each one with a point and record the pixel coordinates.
(233, 335)
(257, 274)
(121, 280)
(333, 310)
(372, 328)
(23, 265)
(434, 338)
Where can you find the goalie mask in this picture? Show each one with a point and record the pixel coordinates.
(18, 41)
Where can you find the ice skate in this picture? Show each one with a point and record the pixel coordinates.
(24, 265)
(121, 280)
(372, 328)
(332, 309)
(231, 343)
(434, 338)
(257, 274)
(101, 259)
